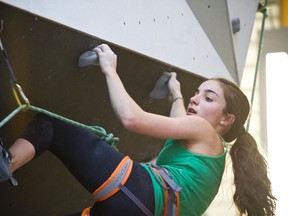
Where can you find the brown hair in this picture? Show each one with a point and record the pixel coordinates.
(253, 194)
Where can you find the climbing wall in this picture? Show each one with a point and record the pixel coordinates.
(44, 39)
(44, 57)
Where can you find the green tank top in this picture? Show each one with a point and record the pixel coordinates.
(198, 175)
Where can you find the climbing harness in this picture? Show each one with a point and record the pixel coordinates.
(24, 105)
(117, 182)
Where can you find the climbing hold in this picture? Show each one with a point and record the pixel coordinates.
(235, 25)
(89, 57)
(161, 89)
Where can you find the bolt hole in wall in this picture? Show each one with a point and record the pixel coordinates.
(154, 19)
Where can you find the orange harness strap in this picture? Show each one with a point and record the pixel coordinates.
(86, 212)
(165, 193)
(119, 176)
(177, 204)
(115, 183)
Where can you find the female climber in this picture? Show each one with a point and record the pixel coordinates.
(189, 168)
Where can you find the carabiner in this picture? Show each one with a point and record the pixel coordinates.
(17, 90)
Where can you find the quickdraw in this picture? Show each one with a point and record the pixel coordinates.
(18, 93)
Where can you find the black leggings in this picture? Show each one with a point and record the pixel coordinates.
(91, 161)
